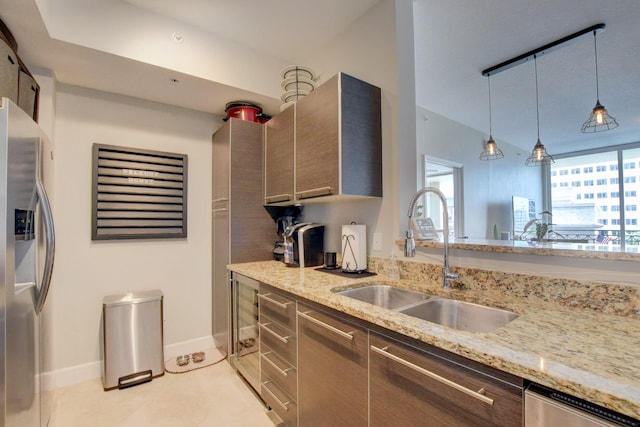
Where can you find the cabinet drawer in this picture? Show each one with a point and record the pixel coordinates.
(279, 339)
(276, 369)
(444, 391)
(281, 404)
(278, 308)
(332, 370)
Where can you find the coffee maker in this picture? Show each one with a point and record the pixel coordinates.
(304, 245)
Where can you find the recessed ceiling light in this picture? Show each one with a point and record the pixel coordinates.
(177, 37)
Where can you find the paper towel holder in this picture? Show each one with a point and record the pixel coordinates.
(354, 252)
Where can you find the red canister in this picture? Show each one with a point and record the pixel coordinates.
(243, 110)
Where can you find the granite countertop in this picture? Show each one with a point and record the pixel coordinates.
(553, 248)
(587, 354)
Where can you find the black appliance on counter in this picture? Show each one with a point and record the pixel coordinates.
(283, 216)
(304, 245)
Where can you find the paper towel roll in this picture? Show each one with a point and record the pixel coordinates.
(354, 248)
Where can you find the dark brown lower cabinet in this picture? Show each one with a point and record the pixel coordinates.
(415, 387)
(332, 371)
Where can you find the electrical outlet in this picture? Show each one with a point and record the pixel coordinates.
(377, 241)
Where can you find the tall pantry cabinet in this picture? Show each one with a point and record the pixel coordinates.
(242, 229)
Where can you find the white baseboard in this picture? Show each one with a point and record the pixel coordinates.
(90, 371)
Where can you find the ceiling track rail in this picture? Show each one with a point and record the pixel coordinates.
(543, 50)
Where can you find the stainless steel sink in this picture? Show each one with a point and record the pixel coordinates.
(460, 315)
(385, 296)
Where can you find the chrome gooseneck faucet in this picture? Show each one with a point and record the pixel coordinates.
(410, 243)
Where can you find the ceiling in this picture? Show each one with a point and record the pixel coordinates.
(235, 50)
(457, 39)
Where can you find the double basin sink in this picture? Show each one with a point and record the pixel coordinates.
(447, 312)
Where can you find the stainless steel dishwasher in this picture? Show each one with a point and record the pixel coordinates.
(544, 407)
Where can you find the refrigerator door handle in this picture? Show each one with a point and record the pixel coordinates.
(50, 250)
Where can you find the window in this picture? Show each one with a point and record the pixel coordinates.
(617, 171)
(554, 185)
(554, 173)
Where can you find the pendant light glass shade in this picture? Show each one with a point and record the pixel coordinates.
(491, 150)
(599, 120)
(539, 155)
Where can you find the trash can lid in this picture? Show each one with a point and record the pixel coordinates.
(132, 297)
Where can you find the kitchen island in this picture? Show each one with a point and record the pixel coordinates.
(579, 351)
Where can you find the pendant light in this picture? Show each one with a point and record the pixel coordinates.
(539, 155)
(491, 150)
(599, 120)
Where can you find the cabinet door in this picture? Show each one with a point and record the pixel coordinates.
(279, 150)
(317, 132)
(410, 387)
(332, 371)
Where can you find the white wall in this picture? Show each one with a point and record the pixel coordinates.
(487, 185)
(86, 271)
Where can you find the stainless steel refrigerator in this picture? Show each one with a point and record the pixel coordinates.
(26, 264)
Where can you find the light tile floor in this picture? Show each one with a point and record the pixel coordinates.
(209, 397)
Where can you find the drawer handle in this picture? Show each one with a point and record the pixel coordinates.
(278, 336)
(477, 394)
(282, 305)
(347, 335)
(278, 198)
(316, 192)
(282, 404)
(281, 371)
(221, 210)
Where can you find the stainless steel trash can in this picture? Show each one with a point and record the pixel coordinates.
(133, 351)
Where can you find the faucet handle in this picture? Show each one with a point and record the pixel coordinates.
(409, 245)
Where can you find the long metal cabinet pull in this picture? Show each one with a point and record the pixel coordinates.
(315, 192)
(282, 404)
(281, 371)
(278, 198)
(347, 335)
(445, 381)
(282, 305)
(50, 235)
(278, 336)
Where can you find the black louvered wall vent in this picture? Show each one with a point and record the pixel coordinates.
(138, 194)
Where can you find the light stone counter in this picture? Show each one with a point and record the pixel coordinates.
(557, 248)
(582, 352)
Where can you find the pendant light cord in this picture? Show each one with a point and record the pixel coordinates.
(595, 49)
(535, 63)
(489, 81)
